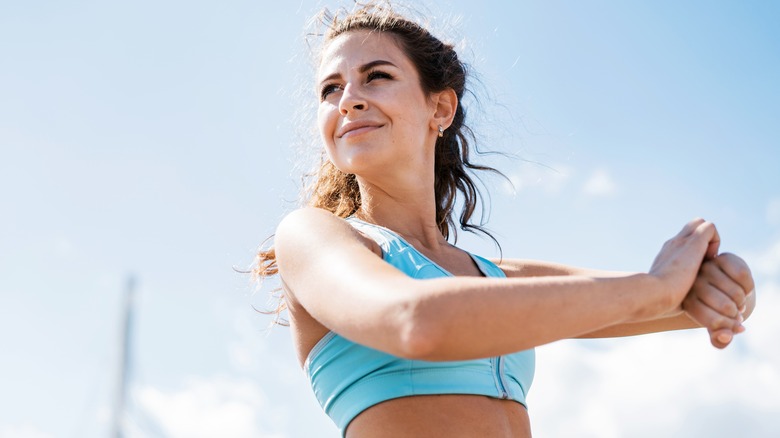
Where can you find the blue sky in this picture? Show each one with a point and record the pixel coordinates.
(154, 139)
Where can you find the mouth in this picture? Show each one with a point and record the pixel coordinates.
(356, 128)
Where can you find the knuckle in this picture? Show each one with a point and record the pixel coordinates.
(727, 256)
(737, 293)
(708, 268)
(721, 321)
(727, 308)
(743, 274)
(738, 266)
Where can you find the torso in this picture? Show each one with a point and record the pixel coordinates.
(450, 416)
(423, 416)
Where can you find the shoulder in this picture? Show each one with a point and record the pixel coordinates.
(311, 228)
(307, 216)
(309, 223)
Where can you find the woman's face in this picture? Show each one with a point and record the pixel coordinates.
(373, 114)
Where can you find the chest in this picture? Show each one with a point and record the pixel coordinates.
(457, 262)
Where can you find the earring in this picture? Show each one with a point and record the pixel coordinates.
(441, 131)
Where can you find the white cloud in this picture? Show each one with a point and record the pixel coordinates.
(22, 431)
(210, 407)
(600, 183)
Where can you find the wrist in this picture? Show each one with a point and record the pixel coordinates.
(655, 301)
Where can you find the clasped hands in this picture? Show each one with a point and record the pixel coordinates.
(722, 296)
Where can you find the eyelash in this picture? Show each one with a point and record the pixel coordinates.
(377, 74)
(374, 74)
(327, 89)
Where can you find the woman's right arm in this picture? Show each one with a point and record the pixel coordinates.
(328, 269)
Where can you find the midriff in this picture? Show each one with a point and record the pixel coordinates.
(451, 416)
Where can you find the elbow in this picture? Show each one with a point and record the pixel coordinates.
(417, 344)
(419, 334)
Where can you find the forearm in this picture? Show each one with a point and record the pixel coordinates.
(519, 268)
(677, 321)
(462, 318)
(524, 268)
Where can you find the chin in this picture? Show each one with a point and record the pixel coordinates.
(358, 160)
(343, 164)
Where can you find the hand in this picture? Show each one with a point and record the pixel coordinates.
(678, 262)
(721, 297)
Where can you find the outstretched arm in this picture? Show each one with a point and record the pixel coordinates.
(331, 273)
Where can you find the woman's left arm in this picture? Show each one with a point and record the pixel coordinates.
(699, 305)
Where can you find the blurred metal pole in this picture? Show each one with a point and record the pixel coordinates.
(124, 359)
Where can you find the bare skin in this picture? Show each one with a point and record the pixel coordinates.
(428, 416)
(477, 416)
(376, 123)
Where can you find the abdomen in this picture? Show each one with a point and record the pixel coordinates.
(451, 416)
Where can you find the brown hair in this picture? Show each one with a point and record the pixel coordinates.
(439, 68)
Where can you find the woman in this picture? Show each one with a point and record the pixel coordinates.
(402, 333)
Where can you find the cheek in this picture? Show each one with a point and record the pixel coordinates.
(326, 124)
(414, 125)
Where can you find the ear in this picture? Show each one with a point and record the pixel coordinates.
(445, 103)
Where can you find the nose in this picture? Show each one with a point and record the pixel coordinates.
(351, 100)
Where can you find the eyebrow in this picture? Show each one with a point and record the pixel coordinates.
(362, 69)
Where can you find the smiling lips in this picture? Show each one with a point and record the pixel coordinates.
(356, 128)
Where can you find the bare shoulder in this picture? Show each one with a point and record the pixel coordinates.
(309, 228)
(330, 270)
(306, 221)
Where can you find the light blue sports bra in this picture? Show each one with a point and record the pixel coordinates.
(348, 378)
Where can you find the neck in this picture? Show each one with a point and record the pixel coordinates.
(409, 211)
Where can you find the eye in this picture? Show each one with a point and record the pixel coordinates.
(377, 74)
(327, 89)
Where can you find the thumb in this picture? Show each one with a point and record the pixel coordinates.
(707, 228)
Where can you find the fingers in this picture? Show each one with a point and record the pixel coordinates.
(721, 338)
(718, 290)
(718, 299)
(690, 227)
(738, 271)
(708, 231)
(750, 304)
(708, 317)
(714, 245)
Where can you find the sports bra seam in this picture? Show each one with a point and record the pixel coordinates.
(408, 372)
(318, 347)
